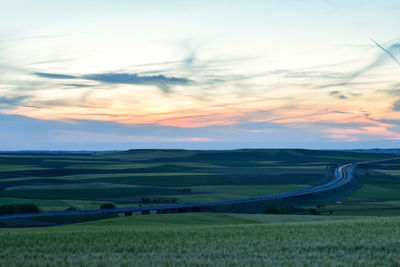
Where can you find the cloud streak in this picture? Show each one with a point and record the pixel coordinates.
(11, 101)
(347, 79)
(387, 51)
(379, 60)
(161, 81)
(54, 75)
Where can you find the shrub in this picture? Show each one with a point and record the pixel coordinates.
(19, 208)
(274, 210)
(107, 206)
(70, 209)
(282, 208)
(314, 212)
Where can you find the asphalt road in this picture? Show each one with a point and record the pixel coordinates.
(344, 175)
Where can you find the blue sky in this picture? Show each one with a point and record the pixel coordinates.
(207, 74)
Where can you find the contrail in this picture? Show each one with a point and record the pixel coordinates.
(332, 5)
(387, 52)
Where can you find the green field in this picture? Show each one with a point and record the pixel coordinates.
(53, 204)
(376, 186)
(53, 180)
(378, 195)
(204, 239)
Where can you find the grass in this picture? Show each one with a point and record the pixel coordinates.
(19, 168)
(250, 190)
(229, 192)
(191, 198)
(155, 221)
(205, 240)
(196, 179)
(395, 173)
(85, 193)
(376, 187)
(189, 220)
(386, 208)
(375, 193)
(112, 166)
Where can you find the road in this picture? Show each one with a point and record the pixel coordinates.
(344, 175)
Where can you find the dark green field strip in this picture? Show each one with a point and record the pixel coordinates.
(379, 179)
(59, 165)
(53, 221)
(53, 204)
(7, 168)
(86, 193)
(376, 188)
(375, 193)
(41, 157)
(381, 166)
(249, 190)
(193, 180)
(272, 170)
(245, 156)
(37, 182)
(386, 212)
(54, 161)
(362, 210)
(387, 165)
(131, 168)
(67, 172)
(309, 174)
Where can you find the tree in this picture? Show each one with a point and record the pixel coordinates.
(107, 206)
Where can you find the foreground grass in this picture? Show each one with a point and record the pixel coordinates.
(205, 240)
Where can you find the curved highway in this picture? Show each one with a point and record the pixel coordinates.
(344, 175)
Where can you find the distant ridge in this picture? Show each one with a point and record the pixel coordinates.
(59, 151)
(369, 150)
(376, 150)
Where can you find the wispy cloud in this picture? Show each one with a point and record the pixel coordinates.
(54, 75)
(387, 51)
(347, 79)
(379, 60)
(11, 101)
(396, 106)
(338, 94)
(332, 5)
(161, 81)
(77, 85)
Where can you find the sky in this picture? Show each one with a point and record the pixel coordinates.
(123, 74)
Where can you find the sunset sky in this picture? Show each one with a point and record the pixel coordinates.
(101, 75)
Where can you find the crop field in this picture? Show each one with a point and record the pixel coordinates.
(378, 195)
(56, 181)
(203, 239)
